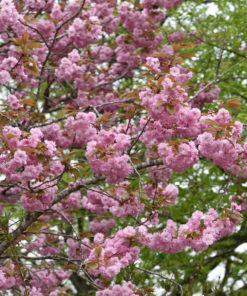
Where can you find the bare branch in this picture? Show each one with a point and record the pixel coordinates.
(217, 78)
(110, 82)
(32, 217)
(138, 137)
(163, 277)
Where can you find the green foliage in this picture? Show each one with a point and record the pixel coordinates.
(221, 35)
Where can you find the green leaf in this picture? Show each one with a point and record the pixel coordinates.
(170, 109)
(97, 251)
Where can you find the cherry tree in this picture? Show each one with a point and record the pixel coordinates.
(102, 117)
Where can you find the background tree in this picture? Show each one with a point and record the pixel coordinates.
(123, 159)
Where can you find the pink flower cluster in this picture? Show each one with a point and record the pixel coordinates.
(178, 157)
(97, 202)
(81, 127)
(198, 233)
(117, 290)
(177, 36)
(46, 279)
(136, 22)
(79, 130)
(121, 204)
(189, 124)
(39, 4)
(164, 106)
(154, 132)
(70, 69)
(43, 245)
(9, 16)
(84, 32)
(240, 201)
(70, 65)
(220, 142)
(39, 201)
(28, 165)
(72, 201)
(8, 278)
(162, 196)
(154, 63)
(78, 251)
(207, 96)
(103, 226)
(160, 174)
(14, 102)
(171, 4)
(37, 292)
(110, 256)
(104, 11)
(105, 155)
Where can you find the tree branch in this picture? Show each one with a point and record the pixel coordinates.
(32, 217)
(163, 277)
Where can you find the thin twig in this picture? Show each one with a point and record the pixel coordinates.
(109, 82)
(219, 62)
(53, 43)
(37, 31)
(215, 80)
(140, 189)
(163, 277)
(138, 137)
(32, 217)
(225, 187)
(57, 258)
(112, 103)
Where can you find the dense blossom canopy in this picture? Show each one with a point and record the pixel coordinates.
(99, 113)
